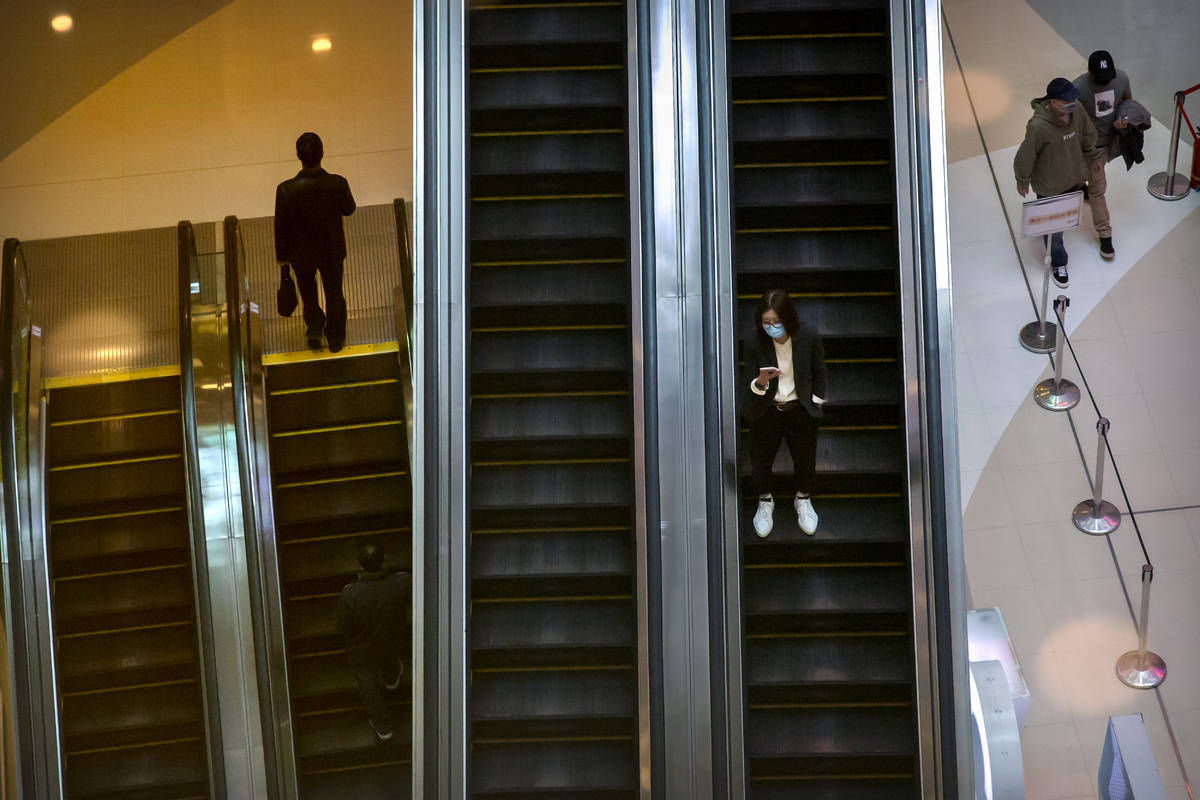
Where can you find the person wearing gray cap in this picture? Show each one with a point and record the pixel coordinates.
(1058, 155)
(1102, 89)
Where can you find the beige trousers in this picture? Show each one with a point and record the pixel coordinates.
(1097, 185)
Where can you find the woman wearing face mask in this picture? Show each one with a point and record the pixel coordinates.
(785, 400)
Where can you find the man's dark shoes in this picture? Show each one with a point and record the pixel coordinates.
(335, 345)
(1106, 248)
(382, 736)
(392, 681)
(1060, 277)
(314, 342)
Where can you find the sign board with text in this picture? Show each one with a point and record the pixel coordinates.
(1051, 214)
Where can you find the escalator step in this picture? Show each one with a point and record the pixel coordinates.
(392, 778)
(770, 60)
(536, 26)
(134, 716)
(882, 788)
(172, 769)
(812, 186)
(519, 353)
(370, 400)
(827, 599)
(381, 493)
(76, 548)
(113, 399)
(89, 663)
(595, 770)
(569, 631)
(323, 452)
(805, 668)
(516, 289)
(107, 439)
(344, 738)
(124, 484)
(550, 704)
(330, 372)
(820, 741)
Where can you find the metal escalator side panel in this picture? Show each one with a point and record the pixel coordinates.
(937, 557)
(187, 279)
(32, 737)
(252, 441)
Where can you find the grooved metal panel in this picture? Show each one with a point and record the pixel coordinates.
(106, 301)
(371, 275)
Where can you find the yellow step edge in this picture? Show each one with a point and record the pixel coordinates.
(552, 132)
(110, 376)
(824, 564)
(559, 668)
(616, 326)
(817, 229)
(575, 598)
(548, 262)
(354, 426)
(872, 293)
(550, 462)
(110, 573)
(117, 515)
(567, 68)
(135, 746)
(558, 529)
(864, 98)
(547, 739)
(886, 360)
(114, 417)
(776, 36)
(127, 629)
(594, 4)
(129, 688)
(860, 427)
(837, 776)
(793, 164)
(528, 197)
(320, 654)
(116, 462)
(321, 596)
(300, 356)
(880, 704)
(828, 635)
(354, 767)
(343, 479)
(519, 395)
(353, 535)
(331, 386)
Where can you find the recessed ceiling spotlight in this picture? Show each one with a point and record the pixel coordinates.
(62, 23)
(321, 44)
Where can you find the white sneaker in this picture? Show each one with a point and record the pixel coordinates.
(393, 681)
(764, 518)
(382, 736)
(805, 515)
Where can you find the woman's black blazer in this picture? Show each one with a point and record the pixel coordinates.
(808, 367)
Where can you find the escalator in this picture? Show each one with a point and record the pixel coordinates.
(827, 651)
(339, 475)
(552, 629)
(129, 675)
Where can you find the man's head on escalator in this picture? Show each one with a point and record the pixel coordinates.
(370, 556)
(310, 150)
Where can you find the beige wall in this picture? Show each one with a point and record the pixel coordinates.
(206, 125)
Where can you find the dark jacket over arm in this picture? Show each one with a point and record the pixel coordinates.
(808, 367)
(373, 617)
(308, 218)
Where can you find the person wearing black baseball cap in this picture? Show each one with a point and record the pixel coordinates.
(1056, 156)
(1102, 89)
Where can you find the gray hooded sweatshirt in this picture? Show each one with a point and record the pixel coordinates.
(1055, 155)
(1100, 101)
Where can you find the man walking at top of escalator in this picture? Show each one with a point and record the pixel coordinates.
(309, 238)
(373, 617)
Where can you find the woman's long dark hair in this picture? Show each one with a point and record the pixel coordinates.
(777, 300)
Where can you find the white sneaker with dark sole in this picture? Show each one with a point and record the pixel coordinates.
(805, 515)
(764, 518)
(395, 681)
(381, 736)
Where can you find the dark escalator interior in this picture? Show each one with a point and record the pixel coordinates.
(827, 619)
(128, 670)
(339, 472)
(553, 634)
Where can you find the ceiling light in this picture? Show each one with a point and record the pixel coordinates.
(62, 23)
(321, 44)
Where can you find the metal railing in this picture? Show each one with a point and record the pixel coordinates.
(1168, 184)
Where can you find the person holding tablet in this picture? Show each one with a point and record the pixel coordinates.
(785, 400)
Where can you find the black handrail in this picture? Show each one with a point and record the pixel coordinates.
(404, 245)
(240, 355)
(195, 506)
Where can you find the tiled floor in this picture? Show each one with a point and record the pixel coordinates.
(1069, 599)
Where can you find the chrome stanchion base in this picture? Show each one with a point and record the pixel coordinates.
(1062, 396)
(1141, 670)
(1033, 340)
(1096, 522)
(1157, 186)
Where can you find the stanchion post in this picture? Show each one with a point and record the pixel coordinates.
(1096, 516)
(1039, 336)
(1141, 668)
(1057, 393)
(1167, 185)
